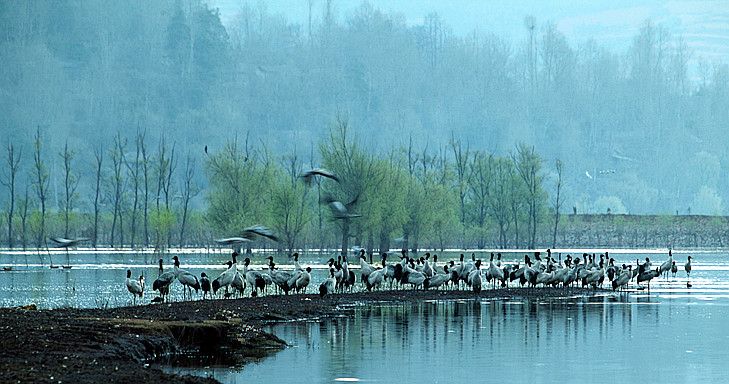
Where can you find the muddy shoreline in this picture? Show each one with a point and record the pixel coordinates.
(116, 345)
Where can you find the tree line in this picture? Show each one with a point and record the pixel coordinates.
(449, 195)
(88, 69)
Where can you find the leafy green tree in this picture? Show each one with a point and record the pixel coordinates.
(239, 184)
(289, 213)
(357, 171)
(162, 221)
(528, 166)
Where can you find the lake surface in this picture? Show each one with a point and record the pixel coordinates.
(97, 279)
(671, 334)
(622, 338)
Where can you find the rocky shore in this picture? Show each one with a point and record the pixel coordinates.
(117, 345)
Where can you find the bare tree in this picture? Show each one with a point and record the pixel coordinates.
(463, 178)
(23, 206)
(99, 160)
(558, 201)
(117, 186)
(189, 190)
(70, 184)
(133, 170)
(145, 173)
(528, 165)
(41, 183)
(13, 165)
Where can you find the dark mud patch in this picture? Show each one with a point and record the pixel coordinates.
(117, 345)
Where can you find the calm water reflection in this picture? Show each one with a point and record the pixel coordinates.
(592, 340)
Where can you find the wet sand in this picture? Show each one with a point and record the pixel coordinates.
(116, 345)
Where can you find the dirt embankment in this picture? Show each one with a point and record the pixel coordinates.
(114, 345)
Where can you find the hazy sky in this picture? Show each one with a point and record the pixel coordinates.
(703, 23)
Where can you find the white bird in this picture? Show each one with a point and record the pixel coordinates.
(163, 282)
(136, 288)
(588, 175)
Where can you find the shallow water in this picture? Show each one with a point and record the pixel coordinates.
(616, 338)
(97, 279)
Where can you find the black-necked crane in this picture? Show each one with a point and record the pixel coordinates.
(327, 287)
(474, 278)
(648, 276)
(204, 284)
(496, 273)
(297, 266)
(623, 278)
(136, 288)
(375, 278)
(280, 278)
(365, 268)
(666, 265)
(225, 278)
(67, 243)
(187, 279)
(687, 268)
(303, 281)
(163, 282)
(309, 175)
(427, 268)
(438, 279)
(253, 278)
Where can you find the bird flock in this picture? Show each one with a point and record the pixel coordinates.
(537, 270)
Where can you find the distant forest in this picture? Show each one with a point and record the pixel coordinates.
(636, 132)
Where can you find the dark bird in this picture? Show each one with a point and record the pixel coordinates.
(206, 149)
(65, 243)
(341, 210)
(204, 284)
(648, 276)
(163, 282)
(236, 243)
(308, 175)
(250, 233)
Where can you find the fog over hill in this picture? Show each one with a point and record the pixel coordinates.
(633, 99)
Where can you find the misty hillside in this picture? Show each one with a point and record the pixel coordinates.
(635, 131)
